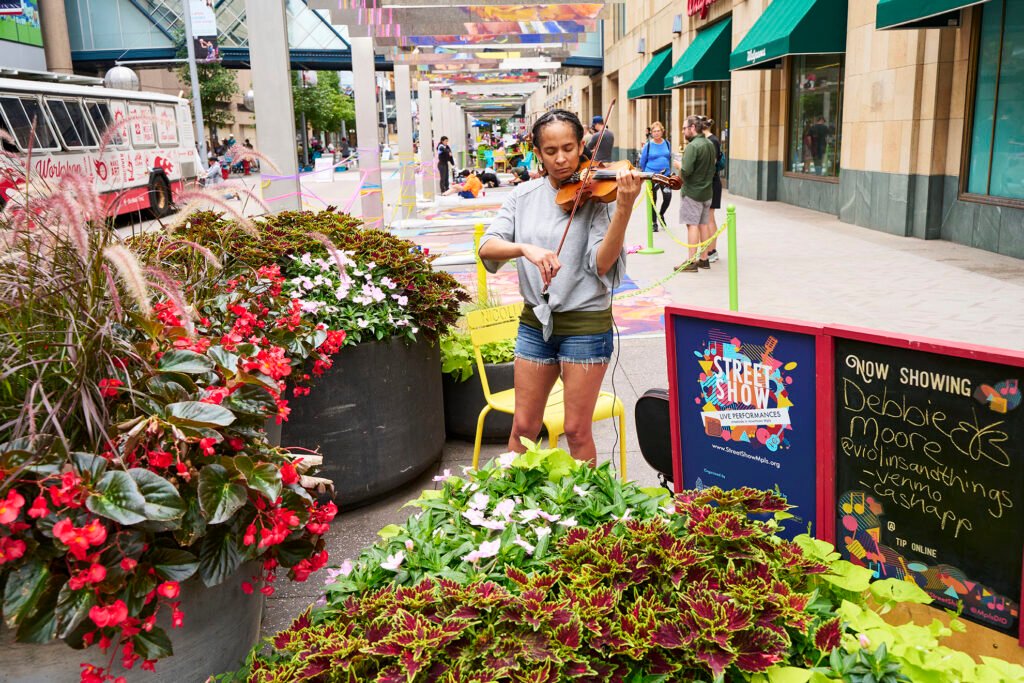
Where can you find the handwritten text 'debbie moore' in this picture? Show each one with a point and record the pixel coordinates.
(869, 370)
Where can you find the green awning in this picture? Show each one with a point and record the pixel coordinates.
(651, 81)
(707, 58)
(920, 13)
(792, 27)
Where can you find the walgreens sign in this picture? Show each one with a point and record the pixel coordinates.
(698, 7)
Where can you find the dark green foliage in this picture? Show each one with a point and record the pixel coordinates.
(434, 296)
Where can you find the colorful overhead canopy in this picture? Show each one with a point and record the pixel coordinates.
(651, 81)
(792, 27)
(707, 58)
(485, 53)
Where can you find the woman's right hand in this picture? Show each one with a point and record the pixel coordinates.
(545, 260)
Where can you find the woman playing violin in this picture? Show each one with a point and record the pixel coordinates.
(566, 326)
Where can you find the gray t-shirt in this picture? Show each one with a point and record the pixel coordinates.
(531, 216)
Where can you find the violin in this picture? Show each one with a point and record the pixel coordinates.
(601, 179)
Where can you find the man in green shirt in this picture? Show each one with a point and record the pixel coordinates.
(698, 170)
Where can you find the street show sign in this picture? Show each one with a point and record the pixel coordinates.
(744, 406)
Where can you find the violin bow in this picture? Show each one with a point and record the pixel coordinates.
(586, 178)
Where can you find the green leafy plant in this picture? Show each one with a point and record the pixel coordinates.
(432, 297)
(457, 357)
(512, 510)
(133, 454)
(696, 591)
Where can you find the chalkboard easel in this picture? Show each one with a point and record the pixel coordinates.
(927, 448)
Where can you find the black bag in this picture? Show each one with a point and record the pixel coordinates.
(654, 432)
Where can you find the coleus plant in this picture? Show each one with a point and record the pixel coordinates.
(94, 544)
(698, 591)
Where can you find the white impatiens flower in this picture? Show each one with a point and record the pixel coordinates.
(580, 491)
(388, 282)
(409, 544)
(529, 515)
(568, 522)
(311, 306)
(505, 508)
(371, 265)
(505, 460)
(444, 476)
(479, 501)
(363, 324)
(307, 259)
(486, 549)
(550, 517)
(542, 531)
(346, 568)
(394, 561)
(525, 545)
(474, 516)
(402, 300)
(623, 517)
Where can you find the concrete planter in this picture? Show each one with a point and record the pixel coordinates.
(221, 625)
(463, 402)
(377, 417)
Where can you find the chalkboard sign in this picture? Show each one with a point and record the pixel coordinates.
(930, 474)
(744, 400)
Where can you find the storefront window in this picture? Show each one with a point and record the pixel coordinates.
(997, 137)
(815, 114)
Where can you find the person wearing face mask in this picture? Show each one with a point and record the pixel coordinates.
(566, 325)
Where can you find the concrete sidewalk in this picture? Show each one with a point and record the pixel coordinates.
(793, 263)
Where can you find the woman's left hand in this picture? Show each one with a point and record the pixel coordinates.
(629, 185)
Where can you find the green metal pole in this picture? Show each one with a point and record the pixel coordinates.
(651, 249)
(734, 286)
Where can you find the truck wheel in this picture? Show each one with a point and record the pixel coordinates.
(159, 197)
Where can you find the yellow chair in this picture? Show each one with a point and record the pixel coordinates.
(489, 325)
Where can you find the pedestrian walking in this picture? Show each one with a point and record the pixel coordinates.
(444, 160)
(697, 169)
(656, 157)
(716, 188)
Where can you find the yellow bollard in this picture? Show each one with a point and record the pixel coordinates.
(481, 272)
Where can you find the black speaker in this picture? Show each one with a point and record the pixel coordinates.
(654, 433)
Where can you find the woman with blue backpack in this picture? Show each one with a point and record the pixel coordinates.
(716, 186)
(656, 157)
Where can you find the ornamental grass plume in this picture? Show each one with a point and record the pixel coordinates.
(133, 454)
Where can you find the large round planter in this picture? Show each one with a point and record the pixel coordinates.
(377, 417)
(221, 626)
(463, 402)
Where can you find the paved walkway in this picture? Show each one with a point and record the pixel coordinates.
(793, 263)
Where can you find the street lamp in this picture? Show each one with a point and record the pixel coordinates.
(121, 78)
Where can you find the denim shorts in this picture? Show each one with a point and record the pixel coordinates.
(578, 348)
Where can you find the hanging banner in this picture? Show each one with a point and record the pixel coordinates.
(744, 406)
(11, 7)
(204, 31)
